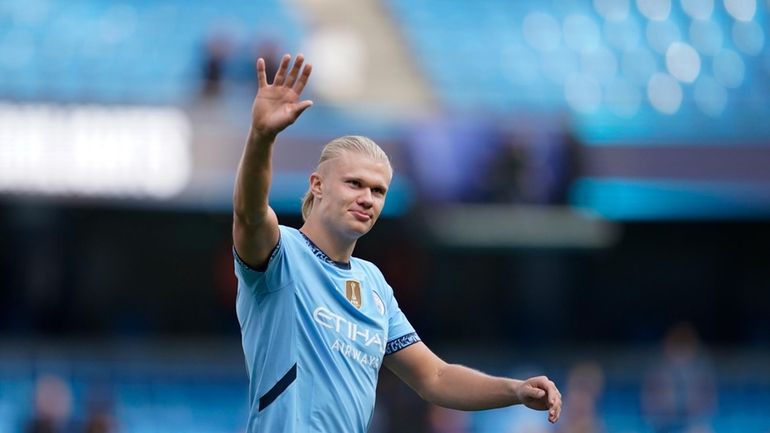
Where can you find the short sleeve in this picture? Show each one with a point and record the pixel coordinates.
(260, 280)
(401, 333)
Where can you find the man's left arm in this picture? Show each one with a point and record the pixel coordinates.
(457, 387)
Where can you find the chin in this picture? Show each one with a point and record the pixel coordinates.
(359, 230)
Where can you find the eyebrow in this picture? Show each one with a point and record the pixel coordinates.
(346, 178)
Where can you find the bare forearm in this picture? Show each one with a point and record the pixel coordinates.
(459, 387)
(275, 107)
(252, 182)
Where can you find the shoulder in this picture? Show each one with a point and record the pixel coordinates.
(288, 231)
(374, 275)
(368, 267)
(287, 241)
(290, 237)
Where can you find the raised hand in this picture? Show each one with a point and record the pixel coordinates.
(540, 393)
(277, 105)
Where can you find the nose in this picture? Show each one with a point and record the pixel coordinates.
(365, 199)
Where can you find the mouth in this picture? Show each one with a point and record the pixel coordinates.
(361, 216)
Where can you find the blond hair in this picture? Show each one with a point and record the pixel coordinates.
(336, 148)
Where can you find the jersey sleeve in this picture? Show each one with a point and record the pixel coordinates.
(401, 333)
(267, 279)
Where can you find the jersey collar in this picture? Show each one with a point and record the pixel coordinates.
(322, 255)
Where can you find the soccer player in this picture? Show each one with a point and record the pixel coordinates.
(316, 322)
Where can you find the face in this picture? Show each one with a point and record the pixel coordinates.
(350, 193)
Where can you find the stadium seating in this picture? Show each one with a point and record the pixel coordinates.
(697, 68)
(140, 51)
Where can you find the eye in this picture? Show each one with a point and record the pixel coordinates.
(378, 191)
(354, 183)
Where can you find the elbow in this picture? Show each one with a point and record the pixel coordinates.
(429, 389)
(431, 398)
(436, 398)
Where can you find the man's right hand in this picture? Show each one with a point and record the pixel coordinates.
(277, 105)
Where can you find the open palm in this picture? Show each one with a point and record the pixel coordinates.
(277, 105)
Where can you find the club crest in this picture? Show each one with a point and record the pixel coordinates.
(378, 302)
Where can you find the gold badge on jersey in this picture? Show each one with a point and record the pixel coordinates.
(353, 292)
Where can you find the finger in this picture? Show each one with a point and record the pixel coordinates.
(261, 74)
(302, 81)
(554, 396)
(280, 75)
(554, 413)
(553, 391)
(294, 70)
(554, 403)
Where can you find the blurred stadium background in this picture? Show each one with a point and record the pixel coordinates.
(582, 190)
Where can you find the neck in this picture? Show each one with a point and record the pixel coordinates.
(336, 247)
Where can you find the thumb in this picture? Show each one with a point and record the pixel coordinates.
(302, 106)
(537, 393)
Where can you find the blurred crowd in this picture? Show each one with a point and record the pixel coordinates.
(229, 62)
(676, 392)
(52, 409)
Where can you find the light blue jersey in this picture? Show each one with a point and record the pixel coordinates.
(314, 336)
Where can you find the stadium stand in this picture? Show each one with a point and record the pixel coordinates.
(139, 51)
(618, 66)
(629, 72)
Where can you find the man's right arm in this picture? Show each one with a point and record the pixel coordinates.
(276, 106)
(255, 225)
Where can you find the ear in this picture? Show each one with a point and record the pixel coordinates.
(315, 184)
